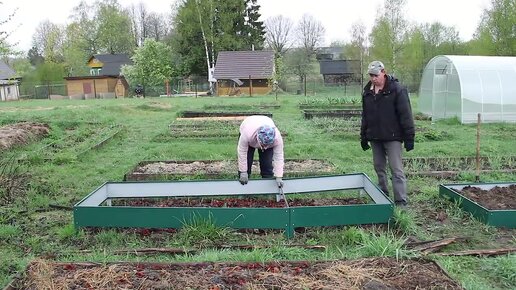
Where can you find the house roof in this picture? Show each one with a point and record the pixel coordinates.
(6, 72)
(329, 53)
(111, 63)
(258, 64)
(8, 82)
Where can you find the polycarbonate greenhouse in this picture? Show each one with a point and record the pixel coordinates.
(462, 86)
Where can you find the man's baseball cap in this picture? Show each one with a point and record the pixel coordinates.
(375, 67)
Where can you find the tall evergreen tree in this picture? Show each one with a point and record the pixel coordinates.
(205, 27)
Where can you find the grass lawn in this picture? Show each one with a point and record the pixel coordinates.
(94, 141)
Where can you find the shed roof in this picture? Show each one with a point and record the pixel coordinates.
(111, 63)
(258, 64)
(6, 72)
(337, 67)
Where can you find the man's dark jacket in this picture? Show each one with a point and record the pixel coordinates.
(387, 116)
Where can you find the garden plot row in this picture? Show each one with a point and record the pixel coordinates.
(330, 103)
(172, 169)
(350, 128)
(449, 167)
(337, 113)
(242, 107)
(372, 273)
(215, 114)
(75, 142)
(204, 129)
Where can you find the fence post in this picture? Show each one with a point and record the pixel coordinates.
(250, 86)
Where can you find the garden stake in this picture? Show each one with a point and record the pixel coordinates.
(282, 194)
(477, 177)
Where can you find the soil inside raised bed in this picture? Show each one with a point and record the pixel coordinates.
(374, 273)
(495, 198)
(247, 202)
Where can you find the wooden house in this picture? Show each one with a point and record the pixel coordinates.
(9, 89)
(244, 72)
(104, 81)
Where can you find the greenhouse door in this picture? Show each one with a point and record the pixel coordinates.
(440, 96)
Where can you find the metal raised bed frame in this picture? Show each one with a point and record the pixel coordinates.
(90, 211)
(496, 218)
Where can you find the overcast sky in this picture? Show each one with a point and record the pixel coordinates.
(337, 16)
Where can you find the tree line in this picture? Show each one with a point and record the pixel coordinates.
(184, 40)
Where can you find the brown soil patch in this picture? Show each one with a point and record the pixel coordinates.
(496, 198)
(376, 273)
(21, 133)
(226, 166)
(238, 202)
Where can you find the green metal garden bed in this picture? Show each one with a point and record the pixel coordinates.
(497, 218)
(96, 209)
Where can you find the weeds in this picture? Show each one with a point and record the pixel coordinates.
(8, 232)
(201, 231)
(69, 232)
(382, 245)
(404, 221)
(12, 180)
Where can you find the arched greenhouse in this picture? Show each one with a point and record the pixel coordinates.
(462, 86)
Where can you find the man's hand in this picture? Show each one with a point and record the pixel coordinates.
(279, 181)
(244, 178)
(409, 145)
(365, 145)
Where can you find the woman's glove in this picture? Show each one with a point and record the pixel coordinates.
(244, 178)
(279, 181)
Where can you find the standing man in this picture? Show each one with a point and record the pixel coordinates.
(387, 123)
(260, 132)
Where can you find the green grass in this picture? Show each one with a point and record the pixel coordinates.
(63, 175)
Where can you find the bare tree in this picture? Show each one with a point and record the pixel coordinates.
(5, 47)
(310, 33)
(394, 15)
(133, 15)
(278, 37)
(48, 40)
(157, 26)
(358, 42)
(142, 21)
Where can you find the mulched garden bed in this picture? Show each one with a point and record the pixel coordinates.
(247, 202)
(196, 114)
(496, 198)
(374, 273)
(21, 133)
(343, 113)
(147, 170)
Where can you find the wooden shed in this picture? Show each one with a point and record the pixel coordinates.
(104, 81)
(244, 72)
(339, 71)
(95, 87)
